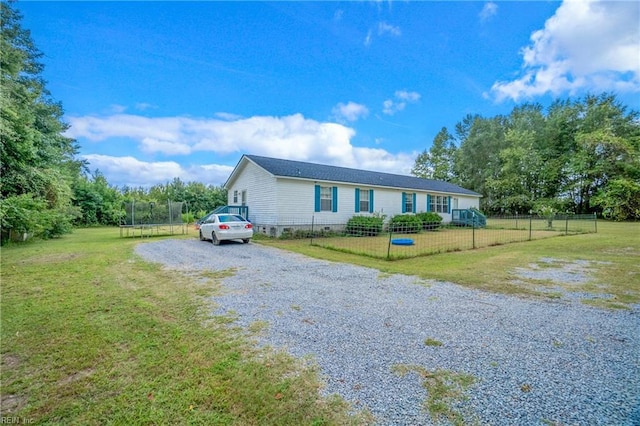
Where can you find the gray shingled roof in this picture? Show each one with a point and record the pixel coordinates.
(322, 172)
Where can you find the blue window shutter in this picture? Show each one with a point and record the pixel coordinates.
(371, 201)
(449, 205)
(413, 206)
(317, 208)
(335, 199)
(428, 202)
(357, 200)
(404, 205)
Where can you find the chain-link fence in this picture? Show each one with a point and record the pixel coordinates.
(392, 240)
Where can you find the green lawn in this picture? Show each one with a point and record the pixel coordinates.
(91, 334)
(613, 253)
(447, 239)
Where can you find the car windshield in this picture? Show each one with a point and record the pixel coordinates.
(231, 218)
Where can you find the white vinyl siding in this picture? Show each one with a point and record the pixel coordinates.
(274, 200)
(260, 190)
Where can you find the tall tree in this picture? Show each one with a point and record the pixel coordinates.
(581, 156)
(478, 158)
(605, 149)
(437, 163)
(37, 159)
(99, 202)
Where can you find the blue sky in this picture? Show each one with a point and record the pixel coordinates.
(160, 90)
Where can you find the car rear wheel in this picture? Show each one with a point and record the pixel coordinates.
(214, 239)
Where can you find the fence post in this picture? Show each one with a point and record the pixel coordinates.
(389, 243)
(530, 224)
(313, 219)
(516, 220)
(566, 224)
(595, 221)
(473, 224)
(170, 208)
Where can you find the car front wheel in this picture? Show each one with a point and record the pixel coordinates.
(201, 236)
(214, 239)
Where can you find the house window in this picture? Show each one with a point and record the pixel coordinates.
(326, 199)
(235, 197)
(439, 204)
(364, 200)
(408, 202)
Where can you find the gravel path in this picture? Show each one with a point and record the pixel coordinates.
(536, 362)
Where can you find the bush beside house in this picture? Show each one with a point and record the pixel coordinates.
(430, 220)
(364, 226)
(405, 224)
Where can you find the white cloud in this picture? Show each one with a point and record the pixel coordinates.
(143, 106)
(367, 39)
(117, 109)
(349, 112)
(586, 45)
(129, 171)
(400, 101)
(227, 116)
(408, 96)
(489, 10)
(152, 145)
(291, 137)
(383, 161)
(384, 28)
(390, 107)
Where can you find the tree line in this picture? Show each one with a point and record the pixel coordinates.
(45, 189)
(576, 156)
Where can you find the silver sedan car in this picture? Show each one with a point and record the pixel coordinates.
(220, 227)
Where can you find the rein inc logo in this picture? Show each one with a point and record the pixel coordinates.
(16, 421)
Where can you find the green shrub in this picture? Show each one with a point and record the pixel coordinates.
(26, 214)
(301, 234)
(405, 224)
(430, 220)
(364, 226)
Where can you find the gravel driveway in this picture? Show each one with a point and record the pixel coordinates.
(536, 362)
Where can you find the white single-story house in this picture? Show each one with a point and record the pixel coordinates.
(280, 193)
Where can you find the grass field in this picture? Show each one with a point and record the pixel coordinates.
(612, 254)
(425, 243)
(447, 239)
(93, 335)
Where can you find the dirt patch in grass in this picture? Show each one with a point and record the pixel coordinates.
(51, 258)
(558, 271)
(75, 377)
(9, 362)
(12, 403)
(573, 280)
